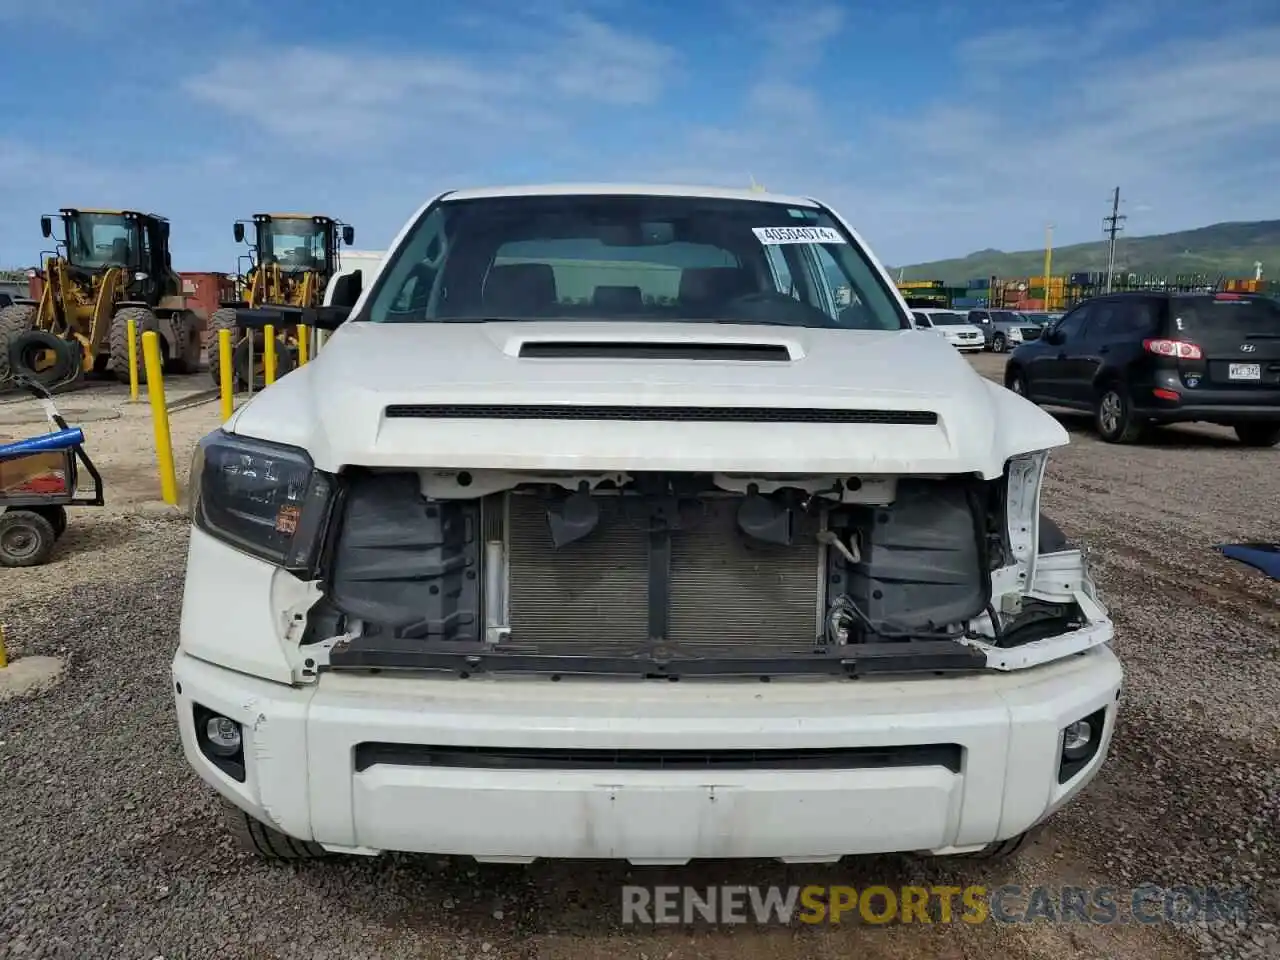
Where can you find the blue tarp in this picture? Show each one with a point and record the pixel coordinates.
(1260, 556)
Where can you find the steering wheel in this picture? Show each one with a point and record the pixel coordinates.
(793, 312)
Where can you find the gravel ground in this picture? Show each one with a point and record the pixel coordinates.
(111, 848)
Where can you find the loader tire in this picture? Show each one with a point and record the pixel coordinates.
(256, 837)
(14, 319)
(224, 319)
(286, 361)
(180, 362)
(145, 321)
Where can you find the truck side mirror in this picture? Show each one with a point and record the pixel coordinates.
(46, 227)
(238, 229)
(348, 234)
(346, 289)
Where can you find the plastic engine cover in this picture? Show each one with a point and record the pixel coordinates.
(406, 564)
(923, 563)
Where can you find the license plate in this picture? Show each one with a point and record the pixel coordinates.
(1245, 371)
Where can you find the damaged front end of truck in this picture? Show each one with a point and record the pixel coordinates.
(650, 574)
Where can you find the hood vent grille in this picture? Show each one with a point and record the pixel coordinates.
(642, 350)
(486, 411)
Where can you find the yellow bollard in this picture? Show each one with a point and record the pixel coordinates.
(226, 377)
(132, 326)
(160, 417)
(269, 357)
(302, 344)
(4, 654)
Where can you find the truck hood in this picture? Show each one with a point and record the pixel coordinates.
(335, 407)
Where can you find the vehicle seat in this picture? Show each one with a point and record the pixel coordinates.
(618, 299)
(120, 250)
(519, 288)
(708, 287)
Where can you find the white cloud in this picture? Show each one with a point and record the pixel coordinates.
(595, 61)
(339, 98)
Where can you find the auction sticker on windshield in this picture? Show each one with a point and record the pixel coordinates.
(776, 235)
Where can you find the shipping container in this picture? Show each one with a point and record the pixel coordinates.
(205, 291)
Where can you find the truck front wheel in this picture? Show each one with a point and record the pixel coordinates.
(256, 837)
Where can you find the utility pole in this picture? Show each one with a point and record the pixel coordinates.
(1114, 226)
(1048, 264)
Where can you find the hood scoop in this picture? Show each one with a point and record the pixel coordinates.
(725, 351)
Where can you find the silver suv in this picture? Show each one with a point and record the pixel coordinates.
(1003, 329)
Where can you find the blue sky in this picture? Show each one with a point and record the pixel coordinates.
(939, 128)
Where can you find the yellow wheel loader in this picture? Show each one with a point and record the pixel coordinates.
(110, 266)
(291, 258)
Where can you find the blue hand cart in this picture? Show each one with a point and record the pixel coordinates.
(39, 479)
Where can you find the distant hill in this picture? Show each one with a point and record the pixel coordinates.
(1229, 249)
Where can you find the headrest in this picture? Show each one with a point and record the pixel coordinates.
(714, 284)
(618, 298)
(517, 288)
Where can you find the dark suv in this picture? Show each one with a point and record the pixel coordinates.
(1134, 359)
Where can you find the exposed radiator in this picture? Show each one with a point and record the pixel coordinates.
(724, 587)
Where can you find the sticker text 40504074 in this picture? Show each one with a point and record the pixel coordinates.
(776, 235)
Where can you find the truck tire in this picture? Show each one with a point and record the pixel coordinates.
(256, 837)
(224, 319)
(14, 319)
(146, 322)
(1001, 849)
(26, 538)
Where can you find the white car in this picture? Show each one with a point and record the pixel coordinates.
(952, 326)
(504, 570)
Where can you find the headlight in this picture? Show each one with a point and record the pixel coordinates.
(1015, 334)
(264, 498)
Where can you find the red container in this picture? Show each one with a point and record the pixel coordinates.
(35, 287)
(205, 291)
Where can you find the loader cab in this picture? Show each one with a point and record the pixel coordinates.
(95, 241)
(98, 239)
(298, 243)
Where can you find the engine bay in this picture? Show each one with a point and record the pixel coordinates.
(661, 564)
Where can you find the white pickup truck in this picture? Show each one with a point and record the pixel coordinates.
(600, 529)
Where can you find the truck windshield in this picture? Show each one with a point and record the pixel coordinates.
(948, 319)
(296, 244)
(96, 241)
(641, 258)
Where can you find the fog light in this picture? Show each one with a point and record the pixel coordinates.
(1077, 740)
(1081, 741)
(223, 736)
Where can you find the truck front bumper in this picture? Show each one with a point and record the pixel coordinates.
(518, 769)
